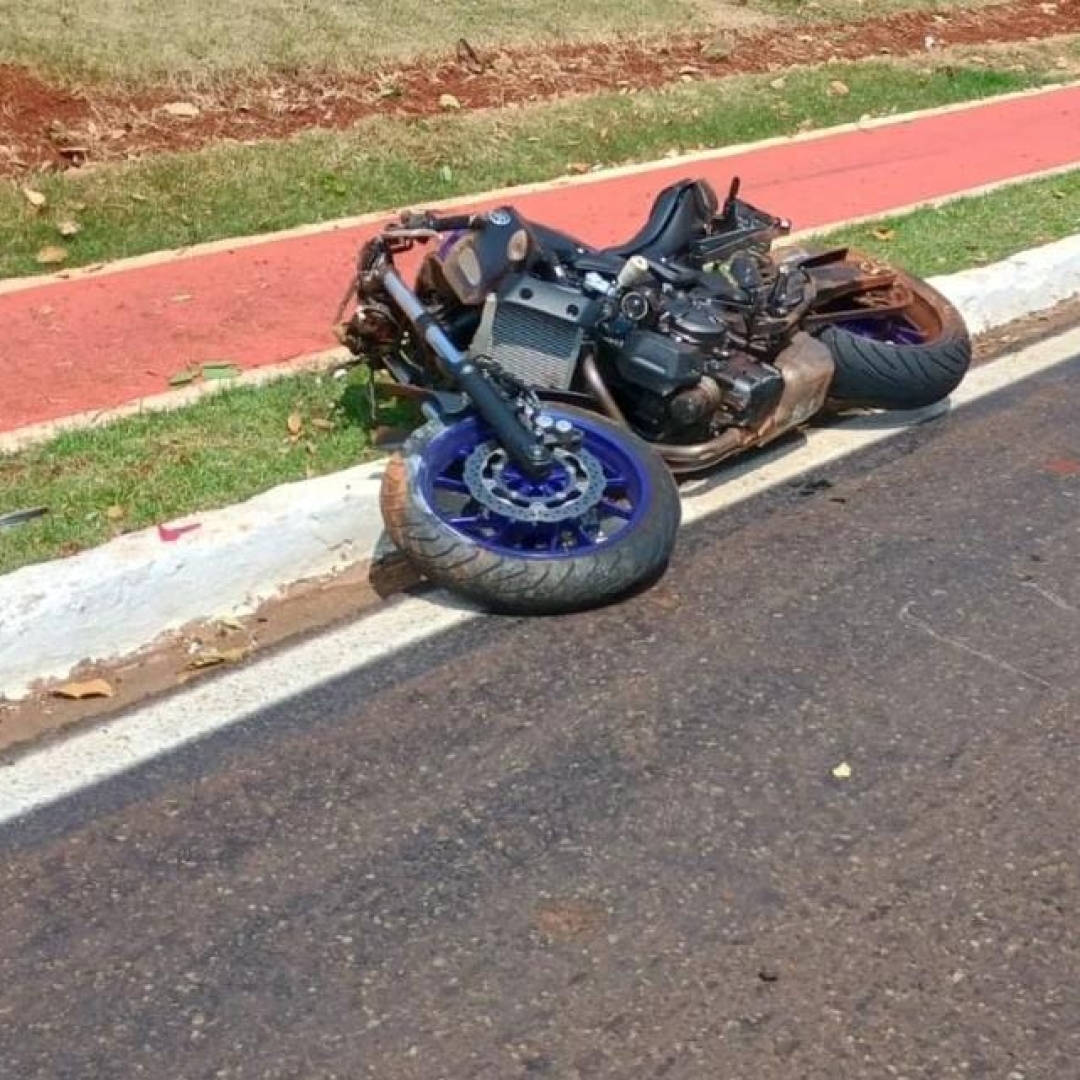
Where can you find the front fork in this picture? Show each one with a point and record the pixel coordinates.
(522, 442)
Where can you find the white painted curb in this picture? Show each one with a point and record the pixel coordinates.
(1027, 283)
(118, 598)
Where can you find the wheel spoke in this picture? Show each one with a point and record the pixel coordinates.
(615, 510)
(582, 534)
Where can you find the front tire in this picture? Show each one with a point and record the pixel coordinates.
(537, 567)
(907, 361)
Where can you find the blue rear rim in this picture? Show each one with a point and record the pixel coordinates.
(619, 508)
(891, 330)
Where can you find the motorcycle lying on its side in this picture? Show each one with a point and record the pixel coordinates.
(559, 379)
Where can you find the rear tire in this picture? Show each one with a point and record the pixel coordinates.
(479, 562)
(919, 358)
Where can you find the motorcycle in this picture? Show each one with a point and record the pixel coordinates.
(565, 386)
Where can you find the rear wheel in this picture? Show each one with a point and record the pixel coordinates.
(601, 524)
(904, 360)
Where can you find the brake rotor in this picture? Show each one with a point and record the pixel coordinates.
(574, 486)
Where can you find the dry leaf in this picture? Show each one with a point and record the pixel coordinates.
(778, 84)
(448, 101)
(115, 513)
(92, 688)
(35, 198)
(295, 424)
(323, 425)
(578, 167)
(842, 771)
(884, 234)
(839, 89)
(230, 622)
(69, 228)
(214, 657)
(183, 110)
(52, 255)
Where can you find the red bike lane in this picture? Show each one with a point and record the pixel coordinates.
(94, 342)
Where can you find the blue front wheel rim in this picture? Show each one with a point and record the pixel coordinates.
(616, 512)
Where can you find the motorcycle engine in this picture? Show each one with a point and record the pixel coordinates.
(679, 376)
(664, 353)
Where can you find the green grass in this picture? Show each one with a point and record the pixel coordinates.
(202, 41)
(234, 444)
(195, 41)
(974, 231)
(156, 467)
(176, 200)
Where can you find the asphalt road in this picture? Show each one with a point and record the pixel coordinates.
(614, 845)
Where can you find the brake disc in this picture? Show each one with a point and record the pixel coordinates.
(495, 482)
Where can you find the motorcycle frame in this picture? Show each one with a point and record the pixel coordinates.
(833, 277)
(378, 275)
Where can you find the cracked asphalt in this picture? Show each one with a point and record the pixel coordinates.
(807, 810)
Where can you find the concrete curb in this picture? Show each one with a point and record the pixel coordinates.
(118, 598)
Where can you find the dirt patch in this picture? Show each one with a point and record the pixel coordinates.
(43, 126)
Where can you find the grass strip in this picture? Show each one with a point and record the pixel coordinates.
(231, 445)
(200, 41)
(176, 200)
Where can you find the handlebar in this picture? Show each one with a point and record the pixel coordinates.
(425, 219)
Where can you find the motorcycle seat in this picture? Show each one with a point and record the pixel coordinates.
(679, 215)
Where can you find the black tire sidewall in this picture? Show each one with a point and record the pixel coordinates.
(534, 584)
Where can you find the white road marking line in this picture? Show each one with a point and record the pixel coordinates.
(57, 771)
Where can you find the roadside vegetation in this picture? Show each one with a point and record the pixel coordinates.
(201, 41)
(174, 200)
(239, 441)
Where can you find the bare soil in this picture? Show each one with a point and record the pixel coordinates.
(45, 126)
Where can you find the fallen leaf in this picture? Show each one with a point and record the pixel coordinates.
(214, 657)
(77, 691)
(839, 89)
(578, 167)
(115, 513)
(448, 101)
(778, 84)
(69, 228)
(35, 198)
(182, 378)
(219, 370)
(295, 424)
(170, 534)
(1058, 194)
(842, 771)
(884, 234)
(52, 255)
(183, 110)
(323, 425)
(230, 622)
